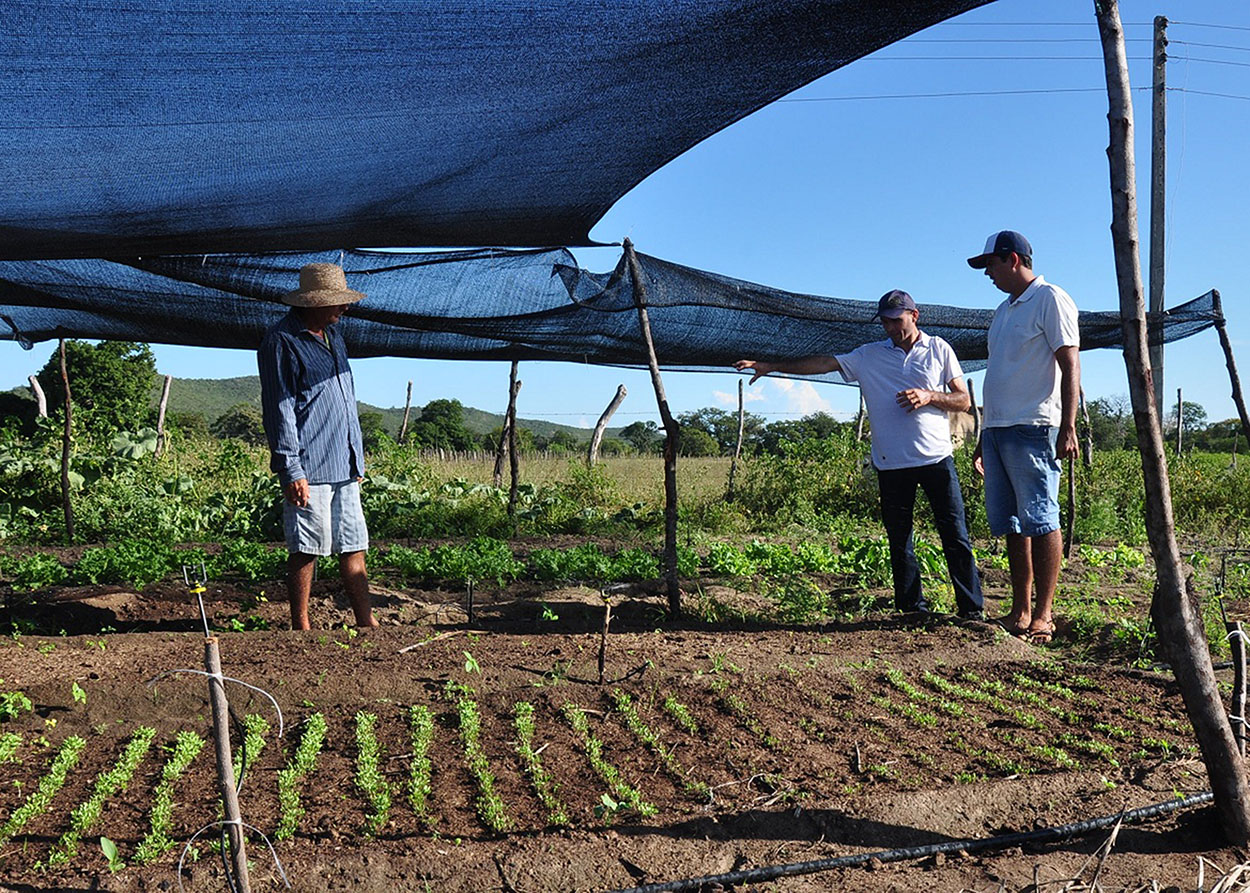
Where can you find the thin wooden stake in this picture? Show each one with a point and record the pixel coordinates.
(603, 636)
(65, 449)
(976, 413)
(733, 463)
(1087, 451)
(225, 765)
(671, 434)
(596, 438)
(1071, 519)
(1237, 715)
(1180, 421)
(514, 457)
(859, 418)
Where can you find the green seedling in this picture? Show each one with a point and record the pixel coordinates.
(9, 743)
(87, 814)
(302, 764)
(80, 696)
(255, 728)
(681, 715)
(12, 703)
(421, 722)
(369, 777)
(490, 807)
(628, 796)
(651, 740)
(49, 784)
(110, 853)
(540, 779)
(157, 842)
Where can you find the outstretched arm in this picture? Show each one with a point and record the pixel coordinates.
(802, 366)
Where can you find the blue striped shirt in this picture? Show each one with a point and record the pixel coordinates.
(309, 405)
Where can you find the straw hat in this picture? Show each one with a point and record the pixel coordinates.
(321, 285)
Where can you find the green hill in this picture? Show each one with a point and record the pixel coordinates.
(210, 397)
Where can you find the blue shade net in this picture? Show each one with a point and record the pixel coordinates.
(489, 305)
(190, 126)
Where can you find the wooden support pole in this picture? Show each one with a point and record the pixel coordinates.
(514, 458)
(403, 425)
(859, 418)
(225, 765)
(501, 448)
(592, 454)
(1221, 328)
(1158, 198)
(66, 439)
(160, 415)
(41, 400)
(1175, 609)
(733, 463)
(671, 434)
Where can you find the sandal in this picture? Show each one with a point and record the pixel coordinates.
(1041, 635)
(1015, 629)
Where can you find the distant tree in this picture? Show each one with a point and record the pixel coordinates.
(1219, 437)
(560, 441)
(645, 436)
(722, 426)
(697, 442)
(111, 383)
(614, 446)
(373, 429)
(18, 412)
(524, 439)
(441, 426)
(818, 425)
(1111, 423)
(243, 421)
(1194, 419)
(191, 424)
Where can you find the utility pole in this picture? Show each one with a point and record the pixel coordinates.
(1158, 200)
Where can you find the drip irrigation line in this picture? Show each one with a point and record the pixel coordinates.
(1041, 835)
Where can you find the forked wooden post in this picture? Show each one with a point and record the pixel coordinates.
(225, 764)
(41, 401)
(592, 454)
(403, 426)
(671, 434)
(1175, 608)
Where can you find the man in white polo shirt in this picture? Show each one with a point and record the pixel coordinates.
(910, 382)
(1032, 387)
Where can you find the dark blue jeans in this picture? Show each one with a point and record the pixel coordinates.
(898, 504)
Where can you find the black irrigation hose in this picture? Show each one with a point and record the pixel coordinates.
(1042, 835)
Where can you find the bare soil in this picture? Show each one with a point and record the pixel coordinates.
(810, 743)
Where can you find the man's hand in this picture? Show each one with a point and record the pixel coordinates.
(978, 463)
(297, 493)
(913, 398)
(761, 369)
(1066, 445)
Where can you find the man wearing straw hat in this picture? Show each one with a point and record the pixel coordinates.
(315, 445)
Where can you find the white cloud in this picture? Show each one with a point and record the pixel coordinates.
(800, 396)
(730, 401)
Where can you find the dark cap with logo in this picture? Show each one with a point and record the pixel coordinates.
(893, 304)
(999, 245)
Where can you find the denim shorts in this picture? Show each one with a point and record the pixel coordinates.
(331, 524)
(1021, 479)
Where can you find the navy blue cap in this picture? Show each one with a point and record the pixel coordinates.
(999, 244)
(893, 304)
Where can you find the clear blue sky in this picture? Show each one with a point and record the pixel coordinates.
(888, 174)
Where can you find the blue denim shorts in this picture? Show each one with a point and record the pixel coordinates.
(1021, 479)
(332, 523)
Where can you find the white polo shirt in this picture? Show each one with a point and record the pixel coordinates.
(902, 439)
(1022, 377)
